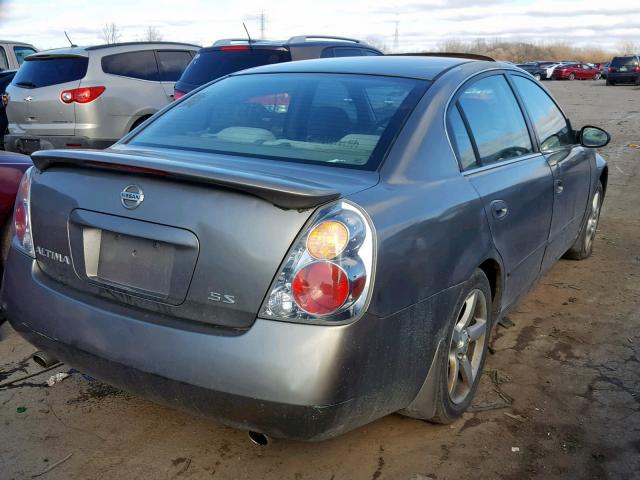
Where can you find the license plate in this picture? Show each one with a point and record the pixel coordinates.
(623, 69)
(135, 263)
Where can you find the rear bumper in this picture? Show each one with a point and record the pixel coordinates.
(287, 380)
(631, 77)
(27, 144)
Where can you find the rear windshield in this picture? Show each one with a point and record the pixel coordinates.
(209, 65)
(43, 72)
(341, 120)
(624, 61)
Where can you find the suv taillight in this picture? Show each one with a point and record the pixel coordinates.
(610, 69)
(81, 95)
(637, 69)
(328, 273)
(178, 94)
(4, 98)
(22, 215)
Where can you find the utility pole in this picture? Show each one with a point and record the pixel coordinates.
(396, 39)
(263, 24)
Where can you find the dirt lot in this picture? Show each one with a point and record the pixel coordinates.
(569, 364)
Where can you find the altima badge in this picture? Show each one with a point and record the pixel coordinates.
(131, 197)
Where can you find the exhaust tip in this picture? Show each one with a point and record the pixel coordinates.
(43, 359)
(259, 439)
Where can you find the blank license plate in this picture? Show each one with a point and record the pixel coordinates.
(136, 263)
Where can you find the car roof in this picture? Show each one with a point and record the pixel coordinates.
(14, 42)
(424, 68)
(83, 51)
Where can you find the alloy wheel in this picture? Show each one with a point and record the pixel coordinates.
(592, 221)
(466, 350)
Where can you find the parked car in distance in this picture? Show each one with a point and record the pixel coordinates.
(604, 69)
(5, 78)
(576, 71)
(231, 55)
(274, 251)
(625, 69)
(537, 70)
(91, 96)
(12, 54)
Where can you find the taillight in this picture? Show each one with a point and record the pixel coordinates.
(4, 98)
(637, 69)
(328, 273)
(81, 95)
(610, 69)
(178, 94)
(22, 215)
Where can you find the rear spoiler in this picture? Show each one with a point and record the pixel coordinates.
(280, 190)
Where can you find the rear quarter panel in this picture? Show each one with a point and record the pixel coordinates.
(12, 167)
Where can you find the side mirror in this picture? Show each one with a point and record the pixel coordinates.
(594, 137)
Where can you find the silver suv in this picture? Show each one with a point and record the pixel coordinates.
(89, 97)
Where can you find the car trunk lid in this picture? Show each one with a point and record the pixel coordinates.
(202, 245)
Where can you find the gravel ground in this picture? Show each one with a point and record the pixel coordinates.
(569, 364)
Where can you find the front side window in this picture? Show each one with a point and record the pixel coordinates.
(141, 65)
(495, 119)
(296, 117)
(548, 121)
(22, 52)
(172, 63)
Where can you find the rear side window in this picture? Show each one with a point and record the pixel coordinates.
(295, 117)
(22, 52)
(461, 140)
(42, 72)
(4, 63)
(172, 63)
(496, 121)
(548, 121)
(141, 65)
(212, 64)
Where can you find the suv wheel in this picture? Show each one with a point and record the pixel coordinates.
(461, 362)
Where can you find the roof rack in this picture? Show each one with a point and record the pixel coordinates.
(306, 38)
(471, 56)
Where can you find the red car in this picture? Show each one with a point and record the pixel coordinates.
(12, 166)
(574, 71)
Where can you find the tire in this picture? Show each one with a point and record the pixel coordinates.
(596, 76)
(583, 246)
(454, 392)
(572, 77)
(5, 244)
(537, 77)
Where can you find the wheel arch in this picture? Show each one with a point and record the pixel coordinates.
(604, 179)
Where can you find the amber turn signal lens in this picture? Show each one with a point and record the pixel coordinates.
(327, 240)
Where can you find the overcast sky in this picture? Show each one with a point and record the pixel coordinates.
(421, 24)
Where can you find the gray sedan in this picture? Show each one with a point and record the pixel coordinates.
(299, 249)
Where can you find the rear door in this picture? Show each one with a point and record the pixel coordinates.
(171, 64)
(35, 104)
(570, 163)
(514, 181)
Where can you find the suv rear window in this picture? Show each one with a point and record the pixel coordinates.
(618, 61)
(208, 65)
(42, 72)
(340, 120)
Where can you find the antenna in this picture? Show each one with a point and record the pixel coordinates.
(70, 42)
(263, 24)
(246, 30)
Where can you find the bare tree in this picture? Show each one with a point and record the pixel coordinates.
(152, 34)
(110, 33)
(627, 46)
(377, 41)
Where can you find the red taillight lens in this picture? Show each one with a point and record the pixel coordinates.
(320, 288)
(637, 69)
(22, 215)
(178, 94)
(236, 47)
(5, 99)
(610, 69)
(81, 95)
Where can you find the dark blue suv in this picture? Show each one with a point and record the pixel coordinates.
(232, 55)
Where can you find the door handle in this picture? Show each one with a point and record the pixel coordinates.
(559, 186)
(499, 209)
